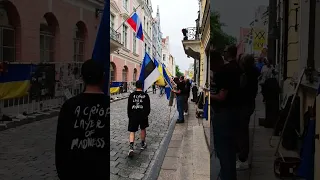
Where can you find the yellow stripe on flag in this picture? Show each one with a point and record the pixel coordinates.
(15, 89)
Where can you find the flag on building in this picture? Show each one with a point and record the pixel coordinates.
(102, 45)
(149, 72)
(136, 25)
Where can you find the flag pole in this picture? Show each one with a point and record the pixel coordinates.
(128, 18)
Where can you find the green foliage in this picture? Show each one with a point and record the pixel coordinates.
(178, 72)
(219, 39)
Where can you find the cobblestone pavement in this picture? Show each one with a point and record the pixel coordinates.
(122, 167)
(27, 152)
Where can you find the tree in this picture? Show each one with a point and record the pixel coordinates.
(219, 39)
(178, 72)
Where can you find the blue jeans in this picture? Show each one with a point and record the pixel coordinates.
(180, 106)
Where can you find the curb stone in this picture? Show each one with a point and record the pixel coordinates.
(30, 118)
(156, 163)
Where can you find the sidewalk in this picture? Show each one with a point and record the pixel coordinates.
(187, 157)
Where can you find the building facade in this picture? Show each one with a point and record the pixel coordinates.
(147, 26)
(171, 65)
(156, 36)
(125, 62)
(244, 45)
(165, 51)
(59, 31)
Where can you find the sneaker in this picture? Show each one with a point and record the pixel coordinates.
(180, 121)
(143, 145)
(130, 154)
(186, 113)
(242, 165)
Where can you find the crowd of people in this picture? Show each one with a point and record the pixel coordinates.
(234, 87)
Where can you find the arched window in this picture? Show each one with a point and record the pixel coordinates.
(9, 22)
(134, 75)
(47, 37)
(79, 42)
(125, 74)
(112, 72)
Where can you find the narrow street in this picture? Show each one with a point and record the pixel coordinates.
(138, 166)
(27, 152)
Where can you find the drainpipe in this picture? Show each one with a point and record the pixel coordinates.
(272, 31)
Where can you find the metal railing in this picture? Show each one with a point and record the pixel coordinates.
(191, 33)
(115, 35)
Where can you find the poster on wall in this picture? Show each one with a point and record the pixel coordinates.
(43, 81)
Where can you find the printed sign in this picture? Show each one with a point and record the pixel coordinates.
(259, 39)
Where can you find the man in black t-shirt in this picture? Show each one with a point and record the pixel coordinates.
(180, 95)
(138, 111)
(82, 139)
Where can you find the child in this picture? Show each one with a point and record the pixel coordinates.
(138, 112)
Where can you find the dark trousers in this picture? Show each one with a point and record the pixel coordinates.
(154, 90)
(243, 132)
(225, 142)
(180, 106)
(194, 96)
(186, 105)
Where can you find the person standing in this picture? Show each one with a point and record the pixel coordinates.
(75, 157)
(187, 95)
(138, 111)
(180, 95)
(154, 91)
(194, 93)
(224, 103)
(248, 90)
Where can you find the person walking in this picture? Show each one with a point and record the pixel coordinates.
(187, 95)
(180, 95)
(83, 119)
(224, 103)
(138, 111)
(248, 90)
(154, 90)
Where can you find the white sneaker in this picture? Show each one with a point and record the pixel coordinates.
(242, 165)
(185, 113)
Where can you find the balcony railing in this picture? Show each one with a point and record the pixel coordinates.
(191, 33)
(114, 35)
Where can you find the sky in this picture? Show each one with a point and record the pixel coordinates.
(236, 13)
(174, 16)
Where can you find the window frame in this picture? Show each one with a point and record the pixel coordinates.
(125, 35)
(2, 46)
(47, 51)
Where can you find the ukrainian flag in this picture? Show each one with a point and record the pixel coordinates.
(115, 87)
(160, 81)
(15, 82)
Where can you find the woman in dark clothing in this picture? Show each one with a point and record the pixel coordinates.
(249, 90)
(187, 95)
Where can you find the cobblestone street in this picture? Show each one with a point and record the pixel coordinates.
(139, 166)
(27, 152)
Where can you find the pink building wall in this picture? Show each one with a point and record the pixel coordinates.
(241, 45)
(67, 15)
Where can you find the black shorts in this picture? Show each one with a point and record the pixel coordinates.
(135, 123)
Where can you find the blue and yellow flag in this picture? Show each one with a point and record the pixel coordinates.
(15, 82)
(115, 87)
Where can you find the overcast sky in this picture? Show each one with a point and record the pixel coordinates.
(236, 13)
(174, 16)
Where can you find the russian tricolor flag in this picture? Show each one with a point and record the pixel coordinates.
(136, 25)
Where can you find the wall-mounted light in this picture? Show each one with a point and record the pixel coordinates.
(98, 12)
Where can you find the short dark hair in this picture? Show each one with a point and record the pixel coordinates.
(92, 72)
(139, 84)
(232, 51)
(182, 77)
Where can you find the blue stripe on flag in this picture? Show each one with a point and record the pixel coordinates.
(166, 77)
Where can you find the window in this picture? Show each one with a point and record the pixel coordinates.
(145, 46)
(7, 38)
(149, 49)
(78, 43)
(134, 49)
(112, 17)
(147, 28)
(46, 43)
(125, 4)
(112, 73)
(125, 36)
(164, 57)
(144, 21)
(134, 77)
(124, 74)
